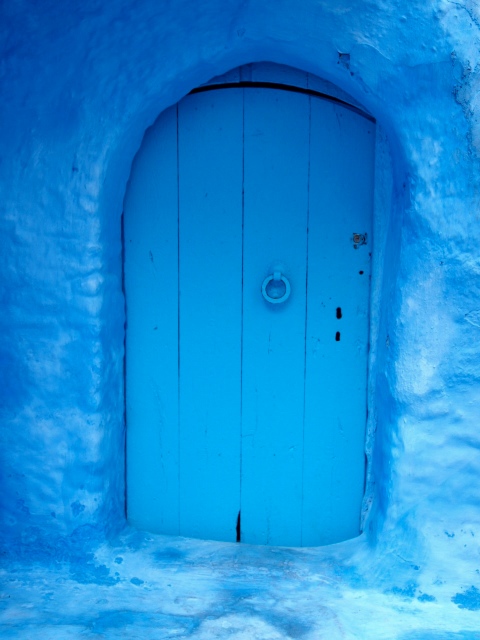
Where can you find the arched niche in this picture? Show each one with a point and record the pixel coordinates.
(298, 214)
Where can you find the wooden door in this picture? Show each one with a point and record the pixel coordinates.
(246, 415)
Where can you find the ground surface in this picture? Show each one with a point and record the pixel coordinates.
(146, 586)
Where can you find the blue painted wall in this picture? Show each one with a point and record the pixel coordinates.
(80, 84)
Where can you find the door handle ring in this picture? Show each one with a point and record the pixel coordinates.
(276, 277)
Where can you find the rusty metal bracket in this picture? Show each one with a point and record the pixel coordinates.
(359, 239)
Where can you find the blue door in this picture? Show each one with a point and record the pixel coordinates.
(247, 228)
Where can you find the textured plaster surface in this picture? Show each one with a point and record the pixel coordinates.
(80, 83)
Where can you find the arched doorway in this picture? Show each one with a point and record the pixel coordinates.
(247, 228)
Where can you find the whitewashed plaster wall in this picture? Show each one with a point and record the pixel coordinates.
(80, 83)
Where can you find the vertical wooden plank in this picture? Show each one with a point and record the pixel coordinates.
(150, 232)
(341, 191)
(210, 214)
(275, 211)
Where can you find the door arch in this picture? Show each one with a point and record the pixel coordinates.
(246, 413)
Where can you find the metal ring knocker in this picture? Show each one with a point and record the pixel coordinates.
(276, 277)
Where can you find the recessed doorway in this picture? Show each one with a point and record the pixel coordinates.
(248, 239)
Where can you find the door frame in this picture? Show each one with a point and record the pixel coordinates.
(333, 94)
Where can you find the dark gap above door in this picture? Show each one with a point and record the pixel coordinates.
(284, 87)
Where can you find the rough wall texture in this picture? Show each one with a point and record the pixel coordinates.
(81, 81)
